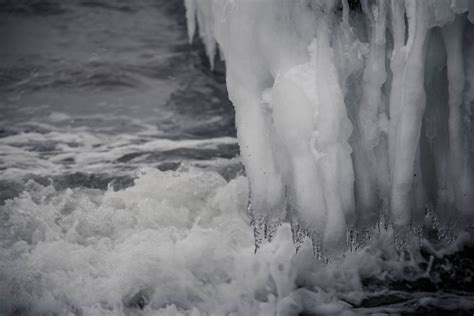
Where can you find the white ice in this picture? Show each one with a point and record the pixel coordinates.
(348, 114)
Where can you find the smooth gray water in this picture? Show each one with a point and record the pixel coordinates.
(106, 86)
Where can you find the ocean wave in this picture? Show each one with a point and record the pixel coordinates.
(179, 243)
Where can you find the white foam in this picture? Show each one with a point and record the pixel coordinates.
(80, 150)
(181, 240)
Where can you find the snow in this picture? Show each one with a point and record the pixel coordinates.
(340, 112)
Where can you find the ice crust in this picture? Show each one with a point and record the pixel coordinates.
(349, 115)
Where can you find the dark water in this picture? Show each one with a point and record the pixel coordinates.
(109, 85)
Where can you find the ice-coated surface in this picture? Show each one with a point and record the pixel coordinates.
(349, 113)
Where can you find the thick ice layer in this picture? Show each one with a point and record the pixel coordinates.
(349, 113)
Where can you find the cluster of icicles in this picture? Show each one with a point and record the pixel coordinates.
(349, 113)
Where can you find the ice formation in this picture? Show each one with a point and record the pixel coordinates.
(349, 113)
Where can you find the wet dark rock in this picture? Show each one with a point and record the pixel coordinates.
(451, 273)
(231, 171)
(416, 292)
(384, 299)
(203, 98)
(436, 311)
(197, 105)
(454, 272)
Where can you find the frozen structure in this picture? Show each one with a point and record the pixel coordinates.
(350, 114)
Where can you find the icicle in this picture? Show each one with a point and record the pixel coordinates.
(453, 34)
(351, 240)
(298, 234)
(258, 224)
(397, 62)
(301, 74)
(271, 228)
(371, 181)
(409, 104)
(191, 18)
(319, 252)
(336, 167)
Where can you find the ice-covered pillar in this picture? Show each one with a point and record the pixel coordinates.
(408, 103)
(371, 157)
(468, 114)
(374, 75)
(254, 128)
(311, 122)
(332, 132)
(191, 18)
(397, 63)
(461, 176)
(203, 11)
